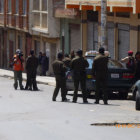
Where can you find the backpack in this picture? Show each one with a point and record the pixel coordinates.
(131, 63)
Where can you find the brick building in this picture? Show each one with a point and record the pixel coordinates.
(14, 29)
(28, 24)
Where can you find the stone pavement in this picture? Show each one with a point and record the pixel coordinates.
(40, 79)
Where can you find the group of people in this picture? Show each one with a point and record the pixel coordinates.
(78, 65)
(31, 65)
(133, 63)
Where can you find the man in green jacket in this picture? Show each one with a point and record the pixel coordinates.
(79, 65)
(100, 72)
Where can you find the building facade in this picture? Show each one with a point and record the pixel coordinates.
(122, 25)
(26, 25)
(45, 29)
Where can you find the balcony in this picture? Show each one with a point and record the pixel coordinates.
(9, 19)
(113, 5)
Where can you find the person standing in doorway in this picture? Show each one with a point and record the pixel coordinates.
(100, 72)
(39, 71)
(31, 69)
(79, 65)
(44, 64)
(59, 71)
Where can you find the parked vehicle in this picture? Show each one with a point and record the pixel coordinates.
(120, 79)
(136, 94)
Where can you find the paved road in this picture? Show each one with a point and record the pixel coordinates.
(27, 115)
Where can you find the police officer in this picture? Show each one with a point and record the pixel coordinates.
(67, 61)
(78, 65)
(59, 71)
(100, 72)
(31, 68)
(18, 68)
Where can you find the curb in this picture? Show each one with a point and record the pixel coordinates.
(50, 83)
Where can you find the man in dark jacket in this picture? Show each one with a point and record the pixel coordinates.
(31, 68)
(44, 64)
(100, 72)
(67, 61)
(79, 65)
(59, 71)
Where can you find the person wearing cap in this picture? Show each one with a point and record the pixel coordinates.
(31, 69)
(100, 73)
(79, 65)
(59, 70)
(18, 69)
(130, 61)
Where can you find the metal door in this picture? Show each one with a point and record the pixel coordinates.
(75, 37)
(95, 36)
(37, 47)
(110, 34)
(123, 40)
(92, 36)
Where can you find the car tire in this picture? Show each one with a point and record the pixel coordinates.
(134, 94)
(137, 101)
(123, 95)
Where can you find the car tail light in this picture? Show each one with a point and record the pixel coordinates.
(128, 75)
(89, 76)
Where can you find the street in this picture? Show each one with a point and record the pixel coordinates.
(31, 115)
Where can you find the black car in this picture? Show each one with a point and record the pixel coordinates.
(120, 79)
(136, 94)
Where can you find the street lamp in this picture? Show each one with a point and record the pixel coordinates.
(104, 24)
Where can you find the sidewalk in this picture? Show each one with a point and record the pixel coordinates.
(40, 79)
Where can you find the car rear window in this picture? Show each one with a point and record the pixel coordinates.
(90, 61)
(111, 63)
(115, 64)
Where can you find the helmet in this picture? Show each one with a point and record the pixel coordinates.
(130, 53)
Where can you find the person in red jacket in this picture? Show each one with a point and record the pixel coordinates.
(18, 69)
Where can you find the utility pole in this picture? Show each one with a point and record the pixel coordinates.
(104, 24)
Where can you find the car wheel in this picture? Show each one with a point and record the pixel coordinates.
(137, 101)
(123, 95)
(134, 94)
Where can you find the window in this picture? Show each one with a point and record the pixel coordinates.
(36, 5)
(17, 6)
(1, 6)
(123, 14)
(44, 5)
(40, 13)
(9, 6)
(138, 16)
(24, 7)
(110, 14)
